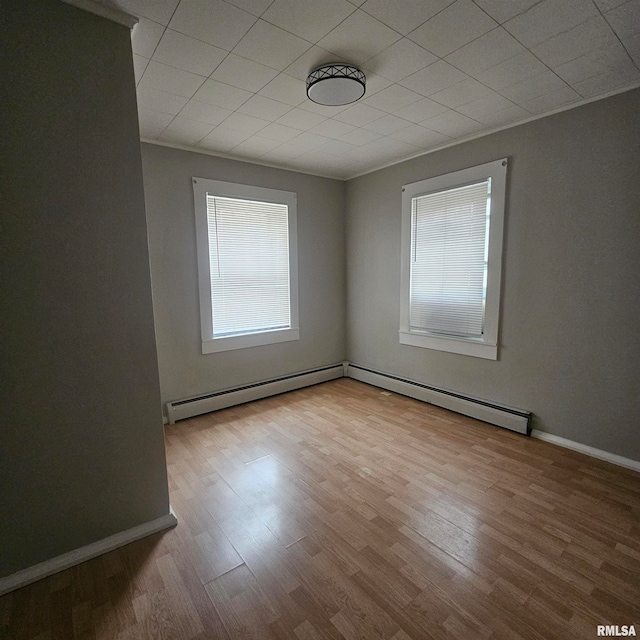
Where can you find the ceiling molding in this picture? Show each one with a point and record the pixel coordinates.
(226, 156)
(108, 11)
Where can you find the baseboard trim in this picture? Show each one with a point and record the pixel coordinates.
(72, 558)
(205, 403)
(501, 416)
(621, 461)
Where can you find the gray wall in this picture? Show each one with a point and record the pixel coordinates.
(184, 370)
(570, 319)
(82, 451)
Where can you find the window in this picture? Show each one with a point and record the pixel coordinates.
(247, 265)
(452, 259)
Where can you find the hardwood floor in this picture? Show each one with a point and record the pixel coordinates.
(340, 511)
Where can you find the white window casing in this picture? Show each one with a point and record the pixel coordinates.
(247, 265)
(451, 263)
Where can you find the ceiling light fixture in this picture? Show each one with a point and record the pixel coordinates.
(336, 84)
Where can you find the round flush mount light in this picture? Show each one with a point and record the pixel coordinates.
(335, 84)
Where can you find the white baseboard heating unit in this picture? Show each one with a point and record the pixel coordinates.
(501, 416)
(181, 409)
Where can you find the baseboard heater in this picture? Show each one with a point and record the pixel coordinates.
(501, 416)
(181, 409)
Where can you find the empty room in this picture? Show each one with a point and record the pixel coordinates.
(320, 319)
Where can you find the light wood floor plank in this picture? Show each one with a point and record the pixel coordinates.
(340, 511)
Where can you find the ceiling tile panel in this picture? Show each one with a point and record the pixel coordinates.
(279, 132)
(433, 78)
(284, 88)
(214, 21)
(607, 5)
(321, 109)
(595, 33)
(386, 148)
(332, 128)
(255, 146)
(512, 71)
(607, 82)
(300, 119)
(265, 108)
(336, 147)
(404, 15)
(139, 66)
(462, 93)
(392, 98)
(400, 60)
(359, 136)
(152, 123)
(320, 165)
(541, 84)
(387, 124)
(625, 20)
(308, 61)
(342, 167)
(370, 155)
(485, 52)
(308, 19)
(609, 59)
(162, 101)
(223, 138)
(503, 10)
(222, 95)
(457, 25)
(204, 112)
(420, 136)
(273, 46)
(285, 151)
(359, 115)
(453, 124)
(293, 148)
(244, 74)
(376, 83)
(549, 18)
(178, 50)
(483, 107)
(248, 124)
(309, 140)
(421, 110)
(185, 131)
(164, 78)
(551, 100)
(503, 116)
(359, 38)
(254, 7)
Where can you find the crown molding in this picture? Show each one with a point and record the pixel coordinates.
(108, 11)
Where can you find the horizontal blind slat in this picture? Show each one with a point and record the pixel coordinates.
(249, 263)
(448, 262)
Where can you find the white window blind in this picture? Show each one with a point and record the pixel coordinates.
(449, 247)
(249, 266)
(451, 261)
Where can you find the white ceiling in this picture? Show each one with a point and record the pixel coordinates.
(228, 76)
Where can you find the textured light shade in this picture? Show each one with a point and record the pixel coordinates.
(335, 84)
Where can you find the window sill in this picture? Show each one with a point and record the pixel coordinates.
(452, 345)
(249, 340)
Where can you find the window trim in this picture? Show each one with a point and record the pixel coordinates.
(487, 346)
(204, 186)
